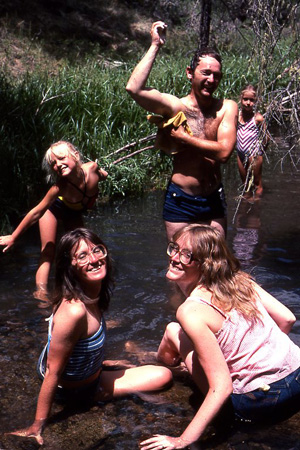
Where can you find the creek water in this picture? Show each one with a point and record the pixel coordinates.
(265, 236)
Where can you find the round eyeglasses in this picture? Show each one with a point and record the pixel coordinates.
(185, 255)
(83, 258)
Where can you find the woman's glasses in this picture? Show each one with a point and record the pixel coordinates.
(185, 256)
(98, 252)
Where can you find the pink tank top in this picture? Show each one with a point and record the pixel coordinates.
(257, 354)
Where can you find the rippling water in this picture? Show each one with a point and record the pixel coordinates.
(265, 236)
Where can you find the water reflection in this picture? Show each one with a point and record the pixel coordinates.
(265, 236)
(247, 243)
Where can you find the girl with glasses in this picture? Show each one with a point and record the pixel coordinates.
(72, 360)
(231, 335)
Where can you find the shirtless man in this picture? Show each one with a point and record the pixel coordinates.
(195, 193)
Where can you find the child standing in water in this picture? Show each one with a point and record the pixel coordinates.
(252, 140)
(75, 190)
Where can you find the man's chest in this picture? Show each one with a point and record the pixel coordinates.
(204, 126)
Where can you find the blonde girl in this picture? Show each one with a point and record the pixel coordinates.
(75, 190)
(252, 140)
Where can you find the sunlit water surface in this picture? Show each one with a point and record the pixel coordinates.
(265, 236)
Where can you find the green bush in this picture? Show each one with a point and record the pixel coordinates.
(88, 106)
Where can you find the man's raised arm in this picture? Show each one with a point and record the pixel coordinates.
(148, 98)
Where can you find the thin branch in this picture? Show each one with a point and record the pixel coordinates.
(45, 100)
(133, 144)
(117, 161)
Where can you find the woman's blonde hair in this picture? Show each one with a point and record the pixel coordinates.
(219, 270)
(70, 149)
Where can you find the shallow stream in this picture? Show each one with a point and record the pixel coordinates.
(265, 236)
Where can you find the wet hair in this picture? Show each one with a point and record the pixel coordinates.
(47, 160)
(219, 270)
(67, 285)
(249, 88)
(202, 52)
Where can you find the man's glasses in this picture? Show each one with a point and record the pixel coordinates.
(185, 256)
(83, 258)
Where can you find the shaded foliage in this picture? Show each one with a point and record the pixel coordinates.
(64, 75)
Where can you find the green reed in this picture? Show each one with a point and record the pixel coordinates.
(89, 106)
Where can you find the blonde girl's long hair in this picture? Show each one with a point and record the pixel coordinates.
(219, 270)
(47, 160)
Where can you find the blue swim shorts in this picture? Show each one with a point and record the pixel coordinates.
(182, 207)
(279, 402)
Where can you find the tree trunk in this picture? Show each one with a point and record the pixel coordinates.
(205, 23)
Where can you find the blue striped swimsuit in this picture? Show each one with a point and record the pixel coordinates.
(86, 358)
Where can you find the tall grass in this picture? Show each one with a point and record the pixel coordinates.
(88, 106)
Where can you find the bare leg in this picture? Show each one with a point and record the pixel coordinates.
(220, 225)
(175, 344)
(242, 170)
(168, 350)
(173, 227)
(118, 383)
(48, 230)
(257, 170)
(246, 176)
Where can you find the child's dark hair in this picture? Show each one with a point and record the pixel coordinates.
(204, 51)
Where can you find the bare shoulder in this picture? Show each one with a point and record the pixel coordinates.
(229, 119)
(193, 315)
(70, 312)
(183, 309)
(90, 166)
(175, 104)
(230, 105)
(189, 316)
(69, 324)
(259, 119)
(60, 186)
(190, 311)
(54, 190)
(52, 193)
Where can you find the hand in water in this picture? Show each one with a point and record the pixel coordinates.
(8, 241)
(158, 442)
(34, 431)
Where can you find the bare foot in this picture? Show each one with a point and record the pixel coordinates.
(143, 356)
(41, 293)
(117, 364)
(111, 323)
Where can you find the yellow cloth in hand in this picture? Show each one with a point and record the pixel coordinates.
(162, 142)
(175, 121)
